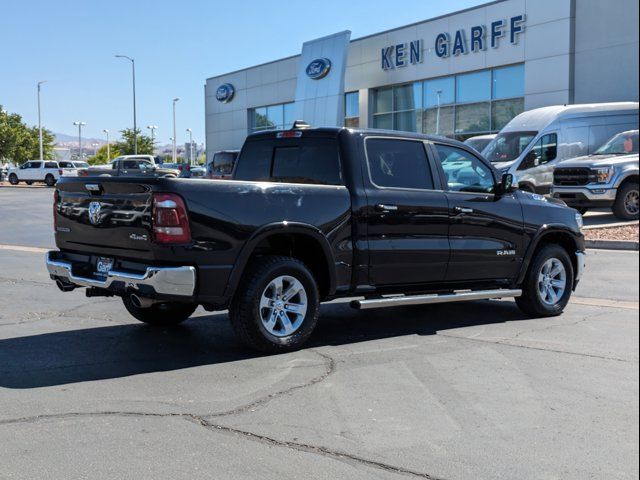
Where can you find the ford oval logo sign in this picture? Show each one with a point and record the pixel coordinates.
(319, 68)
(225, 93)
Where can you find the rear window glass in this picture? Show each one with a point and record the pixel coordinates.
(311, 160)
(50, 165)
(398, 164)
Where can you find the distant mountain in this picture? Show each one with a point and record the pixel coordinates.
(63, 138)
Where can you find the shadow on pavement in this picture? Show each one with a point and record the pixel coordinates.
(122, 350)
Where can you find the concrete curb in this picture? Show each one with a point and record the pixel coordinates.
(612, 245)
(610, 225)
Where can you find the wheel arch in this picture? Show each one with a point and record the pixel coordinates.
(297, 240)
(551, 234)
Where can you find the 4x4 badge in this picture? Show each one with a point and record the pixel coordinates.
(94, 213)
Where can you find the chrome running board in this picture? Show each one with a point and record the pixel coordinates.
(465, 296)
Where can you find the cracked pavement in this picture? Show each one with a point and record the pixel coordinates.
(443, 392)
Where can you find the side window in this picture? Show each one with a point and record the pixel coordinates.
(35, 164)
(25, 165)
(547, 148)
(464, 171)
(130, 165)
(398, 164)
(314, 161)
(66, 165)
(50, 165)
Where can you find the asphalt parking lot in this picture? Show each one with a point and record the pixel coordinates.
(461, 391)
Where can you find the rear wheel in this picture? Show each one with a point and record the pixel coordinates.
(626, 206)
(547, 287)
(13, 179)
(50, 180)
(276, 305)
(29, 182)
(160, 314)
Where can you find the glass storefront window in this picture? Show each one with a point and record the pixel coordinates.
(473, 87)
(473, 118)
(272, 117)
(504, 110)
(445, 88)
(406, 121)
(275, 115)
(352, 110)
(384, 122)
(383, 100)
(407, 97)
(289, 115)
(443, 126)
(508, 82)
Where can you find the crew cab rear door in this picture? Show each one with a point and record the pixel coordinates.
(406, 213)
(486, 230)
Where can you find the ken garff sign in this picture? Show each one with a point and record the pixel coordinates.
(318, 68)
(225, 93)
(476, 40)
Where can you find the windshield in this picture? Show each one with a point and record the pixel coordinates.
(81, 164)
(506, 147)
(622, 144)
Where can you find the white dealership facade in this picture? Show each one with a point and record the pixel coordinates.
(459, 75)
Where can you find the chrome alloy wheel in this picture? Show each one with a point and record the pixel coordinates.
(631, 204)
(552, 281)
(283, 306)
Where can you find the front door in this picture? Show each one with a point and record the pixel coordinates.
(406, 213)
(536, 169)
(485, 230)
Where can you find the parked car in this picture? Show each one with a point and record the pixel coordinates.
(41, 171)
(608, 178)
(313, 215)
(130, 165)
(184, 169)
(221, 164)
(479, 142)
(72, 167)
(532, 144)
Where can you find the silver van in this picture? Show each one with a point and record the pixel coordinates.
(533, 143)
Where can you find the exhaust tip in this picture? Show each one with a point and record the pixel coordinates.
(64, 286)
(141, 302)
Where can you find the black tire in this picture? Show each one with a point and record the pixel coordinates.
(246, 314)
(527, 188)
(50, 180)
(13, 179)
(160, 314)
(582, 210)
(626, 206)
(531, 301)
(29, 182)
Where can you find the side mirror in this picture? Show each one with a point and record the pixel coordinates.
(507, 184)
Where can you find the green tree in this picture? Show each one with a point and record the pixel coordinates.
(100, 158)
(126, 145)
(19, 142)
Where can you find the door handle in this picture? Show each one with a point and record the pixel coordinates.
(463, 210)
(381, 207)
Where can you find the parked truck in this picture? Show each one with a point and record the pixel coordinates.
(315, 214)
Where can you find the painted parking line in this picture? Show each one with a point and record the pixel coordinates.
(20, 248)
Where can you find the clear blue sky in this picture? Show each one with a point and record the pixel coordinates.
(176, 45)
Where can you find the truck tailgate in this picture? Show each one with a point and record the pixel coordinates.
(110, 216)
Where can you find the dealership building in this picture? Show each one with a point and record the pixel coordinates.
(459, 75)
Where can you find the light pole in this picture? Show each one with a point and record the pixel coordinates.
(79, 125)
(438, 93)
(135, 125)
(175, 153)
(153, 129)
(108, 146)
(40, 122)
(190, 132)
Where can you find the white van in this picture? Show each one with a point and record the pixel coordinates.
(534, 142)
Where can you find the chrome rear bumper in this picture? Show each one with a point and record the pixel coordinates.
(175, 281)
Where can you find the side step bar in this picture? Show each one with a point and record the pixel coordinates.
(434, 298)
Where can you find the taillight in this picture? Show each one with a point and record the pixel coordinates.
(170, 222)
(56, 199)
(60, 172)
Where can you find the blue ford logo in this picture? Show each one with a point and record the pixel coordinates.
(319, 68)
(225, 93)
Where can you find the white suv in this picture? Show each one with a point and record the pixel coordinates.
(46, 171)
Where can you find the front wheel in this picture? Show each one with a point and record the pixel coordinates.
(549, 282)
(160, 314)
(627, 205)
(276, 305)
(13, 179)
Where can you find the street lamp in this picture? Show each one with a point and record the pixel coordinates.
(135, 125)
(108, 146)
(79, 125)
(40, 122)
(190, 145)
(153, 129)
(175, 153)
(438, 93)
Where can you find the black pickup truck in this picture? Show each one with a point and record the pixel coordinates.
(310, 215)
